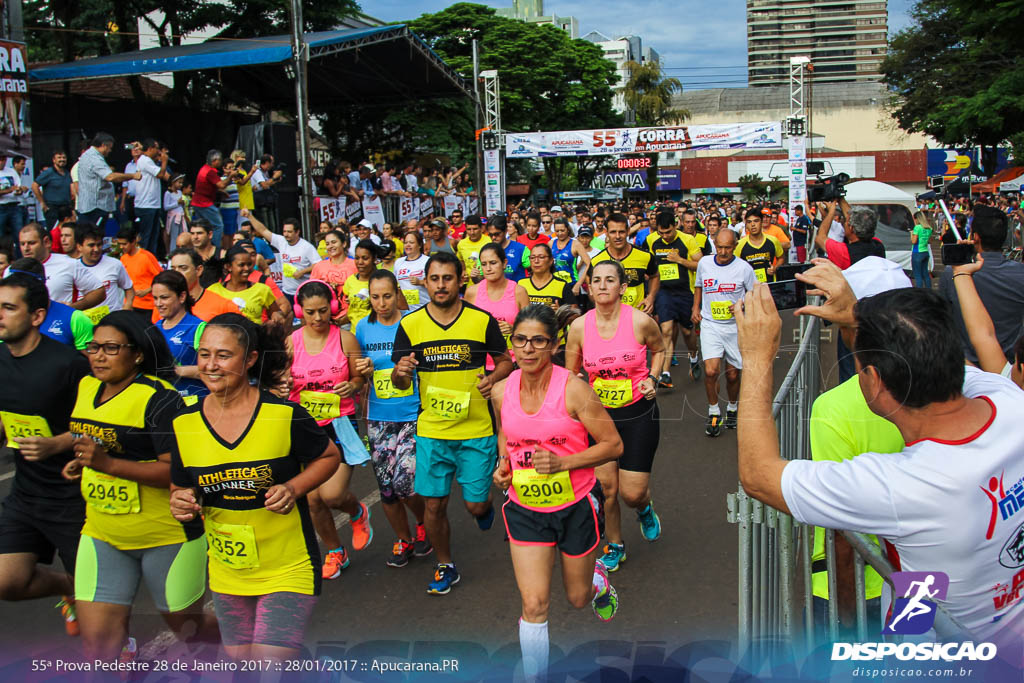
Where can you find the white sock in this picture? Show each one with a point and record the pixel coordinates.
(533, 640)
(714, 410)
(733, 406)
(693, 358)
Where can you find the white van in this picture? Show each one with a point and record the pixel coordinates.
(895, 209)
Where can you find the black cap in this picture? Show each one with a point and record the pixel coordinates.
(586, 230)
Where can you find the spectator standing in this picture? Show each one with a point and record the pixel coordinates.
(802, 227)
(129, 189)
(52, 188)
(263, 181)
(10, 199)
(152, 166)
(96, 181)
(208, 183)
(243, 180)
(174, 211)
(20, 164)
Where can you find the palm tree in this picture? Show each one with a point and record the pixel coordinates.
(648, 93)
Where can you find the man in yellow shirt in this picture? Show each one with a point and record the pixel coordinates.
(469, 247)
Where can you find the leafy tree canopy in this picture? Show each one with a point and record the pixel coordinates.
(958, 71)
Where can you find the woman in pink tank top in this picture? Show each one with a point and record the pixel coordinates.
(496, 294)
(322, 381)
(547, 466)
(612, 344)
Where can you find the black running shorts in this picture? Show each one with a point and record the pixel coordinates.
(575, 530)
(40, 529)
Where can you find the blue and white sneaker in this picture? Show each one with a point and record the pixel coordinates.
(445, 576)
(614, 553)
(650, 523)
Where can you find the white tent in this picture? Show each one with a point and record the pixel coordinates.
(895, 209)
(1012, 185)
(874, 192)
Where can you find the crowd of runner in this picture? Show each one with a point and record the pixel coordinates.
(194, 423)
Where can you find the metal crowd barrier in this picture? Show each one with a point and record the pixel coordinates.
(775, 588)
(391, 207)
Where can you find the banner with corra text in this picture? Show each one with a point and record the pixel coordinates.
(759, 135)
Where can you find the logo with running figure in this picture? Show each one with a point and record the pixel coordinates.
(914, 612)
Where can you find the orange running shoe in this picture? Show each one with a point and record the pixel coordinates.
(362, 532)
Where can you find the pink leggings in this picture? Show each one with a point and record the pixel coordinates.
(277, 619)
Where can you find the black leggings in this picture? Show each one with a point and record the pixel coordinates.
(639, 428)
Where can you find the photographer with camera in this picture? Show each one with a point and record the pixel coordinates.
(999, 281)
(960, 427)
(263, 181)
(860, 235)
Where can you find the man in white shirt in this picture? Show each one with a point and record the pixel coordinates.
(152, 164)
(263, 181)
(948, 503)
(297, 255)
(118, 286)
(10, 198)
(67, 279)
(720, 282)
(129, 189)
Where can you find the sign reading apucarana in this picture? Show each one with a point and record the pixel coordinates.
(13, 75)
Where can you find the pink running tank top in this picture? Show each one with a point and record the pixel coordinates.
(552, 429)
(615, 366)
(504, 308)
(319, 373)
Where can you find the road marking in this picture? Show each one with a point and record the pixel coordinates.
(342, 518)
(5, 477)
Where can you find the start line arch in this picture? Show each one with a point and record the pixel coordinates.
(765, 135)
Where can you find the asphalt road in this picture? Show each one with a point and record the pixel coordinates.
(674, 593)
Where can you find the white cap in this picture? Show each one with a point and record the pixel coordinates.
(556, 208)
(874, 275)
(366, 223)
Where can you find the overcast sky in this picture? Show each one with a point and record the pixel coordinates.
(700, 48)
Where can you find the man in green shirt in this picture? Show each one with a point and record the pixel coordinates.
(842, 427)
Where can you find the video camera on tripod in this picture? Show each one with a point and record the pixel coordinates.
(826, 189)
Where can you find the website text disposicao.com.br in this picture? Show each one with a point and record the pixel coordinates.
(910, 673)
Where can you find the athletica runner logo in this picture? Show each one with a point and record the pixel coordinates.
(914, 612)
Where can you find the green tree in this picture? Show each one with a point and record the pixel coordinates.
(648, 94)
(548, 82)
(957, 72)
(753, 186)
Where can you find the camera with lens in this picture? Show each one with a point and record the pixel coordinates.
(279, 167)
(825, 189)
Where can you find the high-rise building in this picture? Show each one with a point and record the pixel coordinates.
(845, 39)
(621, 50)
(532, 11)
